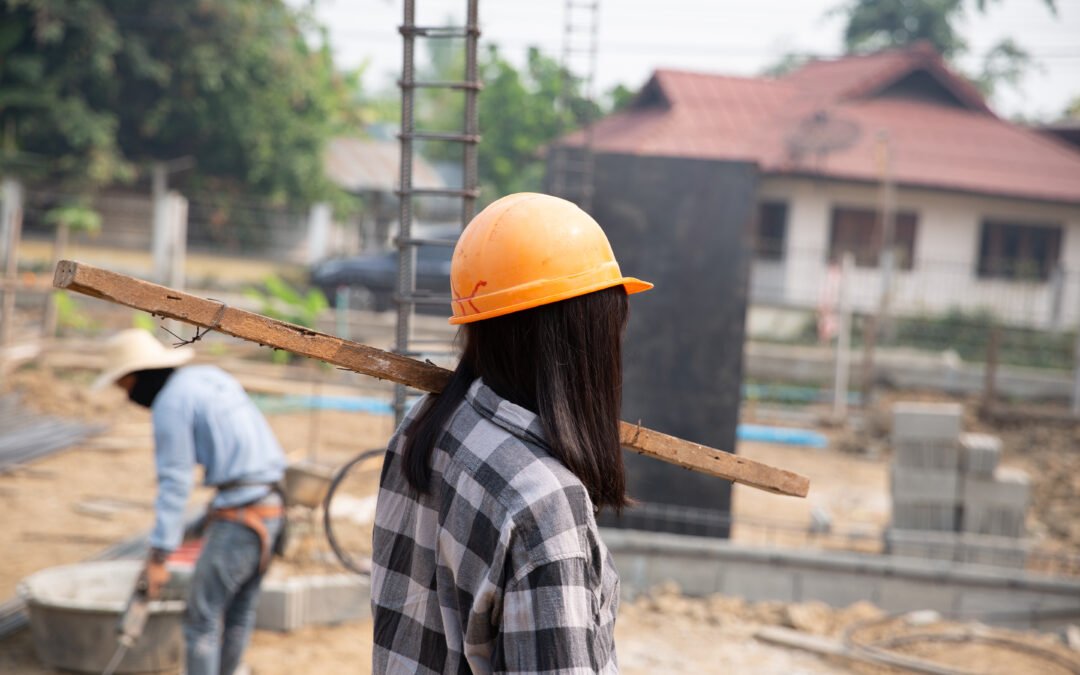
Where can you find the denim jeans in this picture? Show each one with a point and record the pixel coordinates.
(221, 603)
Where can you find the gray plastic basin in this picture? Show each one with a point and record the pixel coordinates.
(74, 612)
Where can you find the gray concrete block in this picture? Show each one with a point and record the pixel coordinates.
(995, 506)
(979, 454)
(924, 486)
(940, 517)
(927, 454)
(282, 605)
(907, 543)
(695, 576)
(757, 583)
(927, 421)
(837, 590)
(994, 551)
(337, 598)
(906, 595)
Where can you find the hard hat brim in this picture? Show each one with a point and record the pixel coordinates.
(631, 284)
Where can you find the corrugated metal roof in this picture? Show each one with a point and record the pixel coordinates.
(367, 165)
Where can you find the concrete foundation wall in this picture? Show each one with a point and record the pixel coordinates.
(703, 566)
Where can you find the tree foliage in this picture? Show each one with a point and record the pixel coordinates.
(872, 25)
(1072, 110)
(92, 89)
(519, 112)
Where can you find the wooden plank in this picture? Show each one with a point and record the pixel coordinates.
(704, 459)
(192, 309)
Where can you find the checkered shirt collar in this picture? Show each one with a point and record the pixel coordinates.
(520, 422)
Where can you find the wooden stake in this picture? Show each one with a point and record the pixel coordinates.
(214, 315)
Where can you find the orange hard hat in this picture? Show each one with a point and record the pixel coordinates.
(527, 250)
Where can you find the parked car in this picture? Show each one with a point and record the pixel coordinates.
(375, 276)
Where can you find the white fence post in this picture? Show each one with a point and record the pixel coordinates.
(319, 219)
(11, 229)
(177, 224)
(159, 243)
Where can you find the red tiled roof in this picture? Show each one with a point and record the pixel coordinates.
(771, 122)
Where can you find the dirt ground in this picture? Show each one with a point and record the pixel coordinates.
(67, 507)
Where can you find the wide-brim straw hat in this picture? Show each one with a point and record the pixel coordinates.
(133, 350)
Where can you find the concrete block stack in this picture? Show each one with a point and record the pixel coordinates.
(951, 500)
(926, 458)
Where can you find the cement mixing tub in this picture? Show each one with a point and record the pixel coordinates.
(74, 612)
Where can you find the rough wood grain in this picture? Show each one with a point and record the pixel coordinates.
(207, 313)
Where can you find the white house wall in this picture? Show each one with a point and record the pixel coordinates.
(945, 255)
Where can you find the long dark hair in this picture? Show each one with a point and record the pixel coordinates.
(562, 361)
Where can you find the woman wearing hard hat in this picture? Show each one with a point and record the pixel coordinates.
(487, 555)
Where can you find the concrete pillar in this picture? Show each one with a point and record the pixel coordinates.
(680, 224)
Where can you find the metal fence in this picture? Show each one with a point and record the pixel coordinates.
(936, 305)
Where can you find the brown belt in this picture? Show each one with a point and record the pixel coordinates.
(252, 517)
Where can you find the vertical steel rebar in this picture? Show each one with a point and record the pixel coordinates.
(470, 85)
(564, 162)
(587, 155)
(406, 253)
(472, 124)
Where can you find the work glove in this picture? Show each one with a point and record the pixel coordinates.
(155, 575)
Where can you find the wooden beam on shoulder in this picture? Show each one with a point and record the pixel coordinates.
(360, 358)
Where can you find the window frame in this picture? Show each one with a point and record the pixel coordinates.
(1013, 268)
(776, 253)
(905, 235)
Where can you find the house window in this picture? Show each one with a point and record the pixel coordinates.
(770, 231)
(1011, 250)
(860, 232)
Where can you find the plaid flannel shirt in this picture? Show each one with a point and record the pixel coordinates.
(500, 567)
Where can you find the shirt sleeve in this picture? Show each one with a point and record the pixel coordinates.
(550, 622)
(174, 457)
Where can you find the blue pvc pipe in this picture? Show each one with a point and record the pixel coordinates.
(785, 435)
(376, 406)
(274, 404)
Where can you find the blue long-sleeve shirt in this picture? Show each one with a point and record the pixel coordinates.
(203, 416)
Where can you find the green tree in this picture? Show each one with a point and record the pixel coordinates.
(619, 97)
(1073, 108)
(518, 113)
(90, 89)
(872, 25)
(787, 62)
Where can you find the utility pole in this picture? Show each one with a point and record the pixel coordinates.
(878, 325)
(843, 339)
(887, 210)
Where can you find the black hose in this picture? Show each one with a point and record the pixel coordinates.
(347, 560)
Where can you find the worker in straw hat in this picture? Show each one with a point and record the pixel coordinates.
(486, 554)
(201, 415)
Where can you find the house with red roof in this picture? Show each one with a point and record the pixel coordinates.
(986, 212)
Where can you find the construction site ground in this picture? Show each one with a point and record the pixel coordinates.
(69, 506)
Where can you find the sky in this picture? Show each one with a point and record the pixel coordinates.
(718, 36)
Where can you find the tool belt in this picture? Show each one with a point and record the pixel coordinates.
(253, 517)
